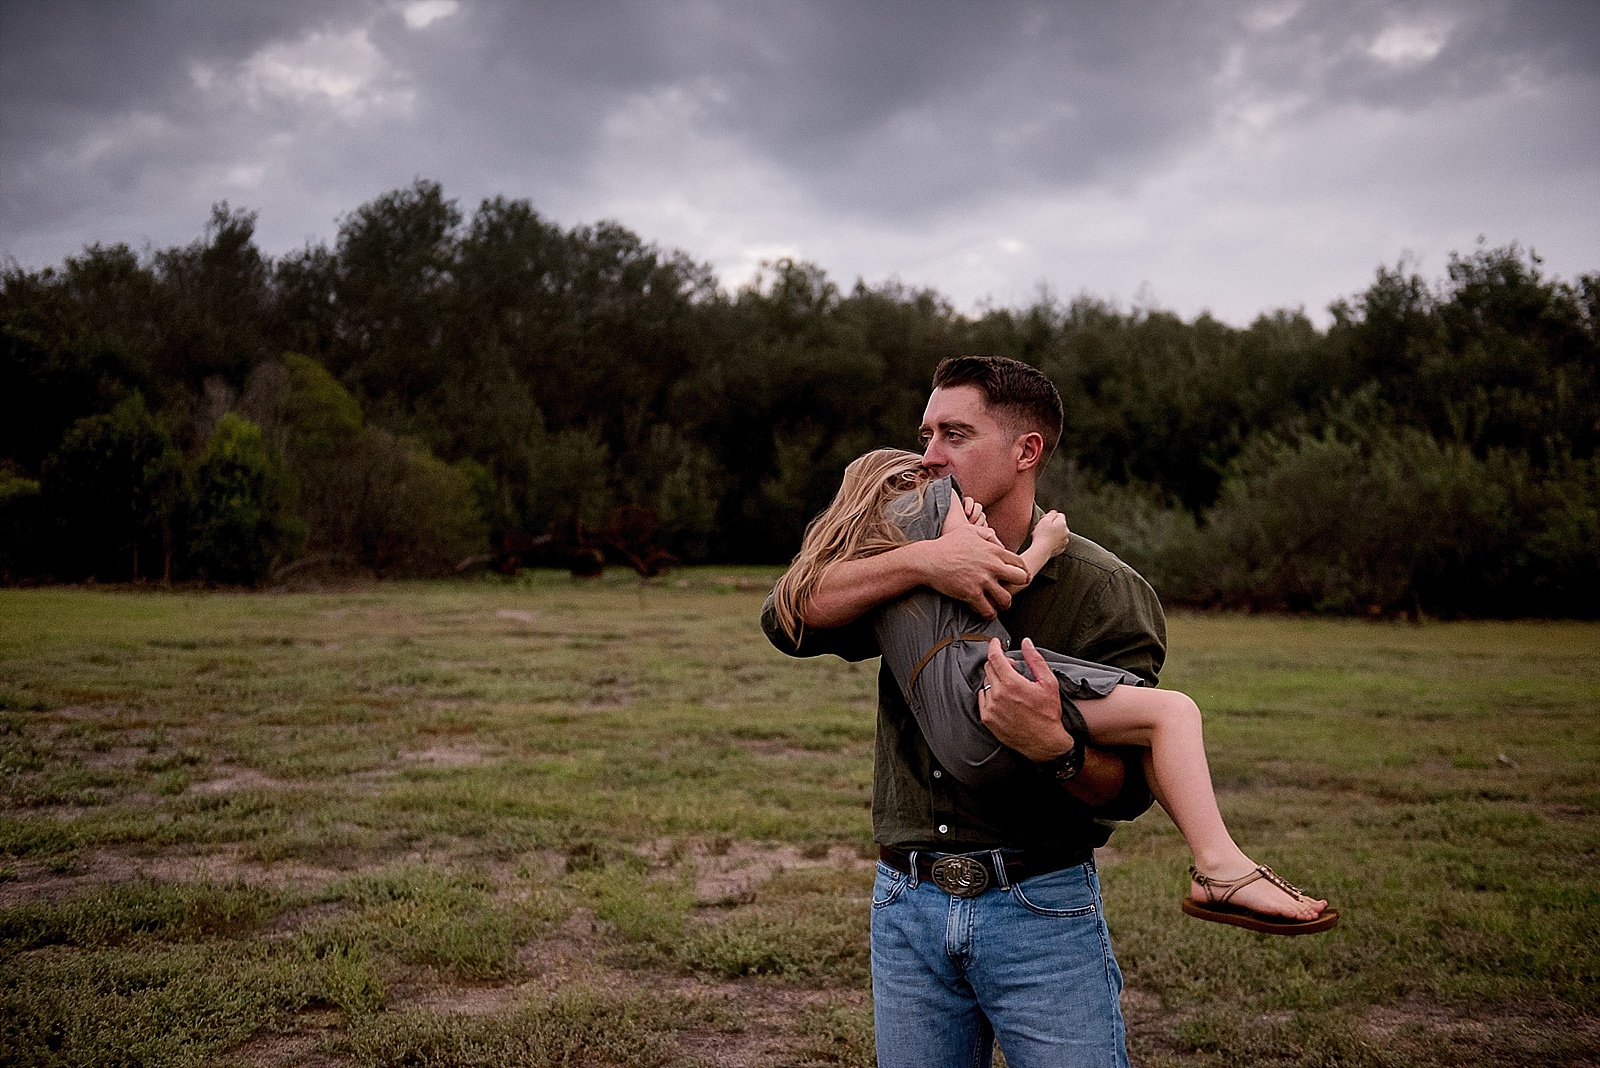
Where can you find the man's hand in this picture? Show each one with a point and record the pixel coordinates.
(1023, 713)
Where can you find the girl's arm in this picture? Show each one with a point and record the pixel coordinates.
(1050, 536)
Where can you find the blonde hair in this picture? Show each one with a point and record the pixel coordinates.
(856, 524)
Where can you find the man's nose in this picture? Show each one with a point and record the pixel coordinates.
(932, 455)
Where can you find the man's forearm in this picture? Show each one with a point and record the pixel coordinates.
(851, 588)
(1101, 778)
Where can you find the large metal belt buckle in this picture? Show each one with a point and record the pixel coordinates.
(960, 876)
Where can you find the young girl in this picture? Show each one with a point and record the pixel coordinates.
(936, 649)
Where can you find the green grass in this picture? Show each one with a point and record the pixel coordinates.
(463, 823)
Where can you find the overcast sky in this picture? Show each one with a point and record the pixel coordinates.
(1235, 155)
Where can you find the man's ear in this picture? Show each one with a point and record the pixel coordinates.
(1030, 451)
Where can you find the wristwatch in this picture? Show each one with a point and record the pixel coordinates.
(1065, 768)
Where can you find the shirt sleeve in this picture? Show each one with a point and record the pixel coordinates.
(1127, 629)
(853, 641)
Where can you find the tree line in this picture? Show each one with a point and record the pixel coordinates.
(434, 385)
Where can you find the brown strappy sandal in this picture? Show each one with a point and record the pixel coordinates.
(1217, 909)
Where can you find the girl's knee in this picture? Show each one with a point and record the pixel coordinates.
(1180, 706)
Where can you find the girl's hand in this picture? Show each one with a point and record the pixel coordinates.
(975, 516)
(1051, 531)
(962, 517)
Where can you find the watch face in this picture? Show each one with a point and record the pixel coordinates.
(1068, 764)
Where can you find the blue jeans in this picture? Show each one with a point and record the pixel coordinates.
(1029, 964)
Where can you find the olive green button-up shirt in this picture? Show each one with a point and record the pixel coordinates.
(1085, 603)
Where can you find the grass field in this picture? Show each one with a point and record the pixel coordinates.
(551, 823)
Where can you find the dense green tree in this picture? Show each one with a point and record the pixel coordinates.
(409, 513)
(396, 260)
(74, 342)
(214, 305)
(113, 489)
(1499, 357)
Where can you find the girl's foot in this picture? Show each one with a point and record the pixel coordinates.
(1258, 900)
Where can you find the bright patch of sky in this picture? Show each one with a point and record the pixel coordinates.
(423, 13)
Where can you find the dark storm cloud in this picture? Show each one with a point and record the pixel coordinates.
(1239, 153)
(70, 63)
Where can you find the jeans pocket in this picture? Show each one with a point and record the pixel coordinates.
(889, 885)
(1066, 893)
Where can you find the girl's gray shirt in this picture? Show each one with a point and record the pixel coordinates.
(944, 695)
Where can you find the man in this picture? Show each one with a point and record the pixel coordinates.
(986, 915)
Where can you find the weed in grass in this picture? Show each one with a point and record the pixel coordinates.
(642, 909)
(805, 925)
(837, 1035)
(569, 1029)
(343, 974)
(426, 916)
(113, 915)
(168, 1006)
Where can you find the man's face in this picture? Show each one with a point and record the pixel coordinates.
(961, 437)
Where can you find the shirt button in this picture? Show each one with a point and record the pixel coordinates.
(944, 828)
(938, 774)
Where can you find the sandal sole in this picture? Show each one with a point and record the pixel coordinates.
(1255, 921)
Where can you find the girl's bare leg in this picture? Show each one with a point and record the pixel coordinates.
(1168, 724)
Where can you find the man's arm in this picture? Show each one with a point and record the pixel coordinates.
(1125, 628)
(1025, 714)
(961, 564)
(1121, 625)
(853, 641)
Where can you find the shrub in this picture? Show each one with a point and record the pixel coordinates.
(409, 513)
(243, 522)
(20, 518)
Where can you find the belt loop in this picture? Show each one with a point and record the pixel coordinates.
(999, 868)
(912, 864)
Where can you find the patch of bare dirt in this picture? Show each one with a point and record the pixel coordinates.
(768, 1013)
(518, 615)
(571, 952)
(729, 873)
(1420, 1026)
(468, 1000)
(241, 778)
(294, 921)
(777, 748)
(301, 1048)
(751, 1021)
(1566, 812)
(609, 691)
(105, 867)
(450, 755)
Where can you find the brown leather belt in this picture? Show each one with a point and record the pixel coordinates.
(970, 874)
(941, 644)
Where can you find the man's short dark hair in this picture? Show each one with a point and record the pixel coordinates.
(1013, 388)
